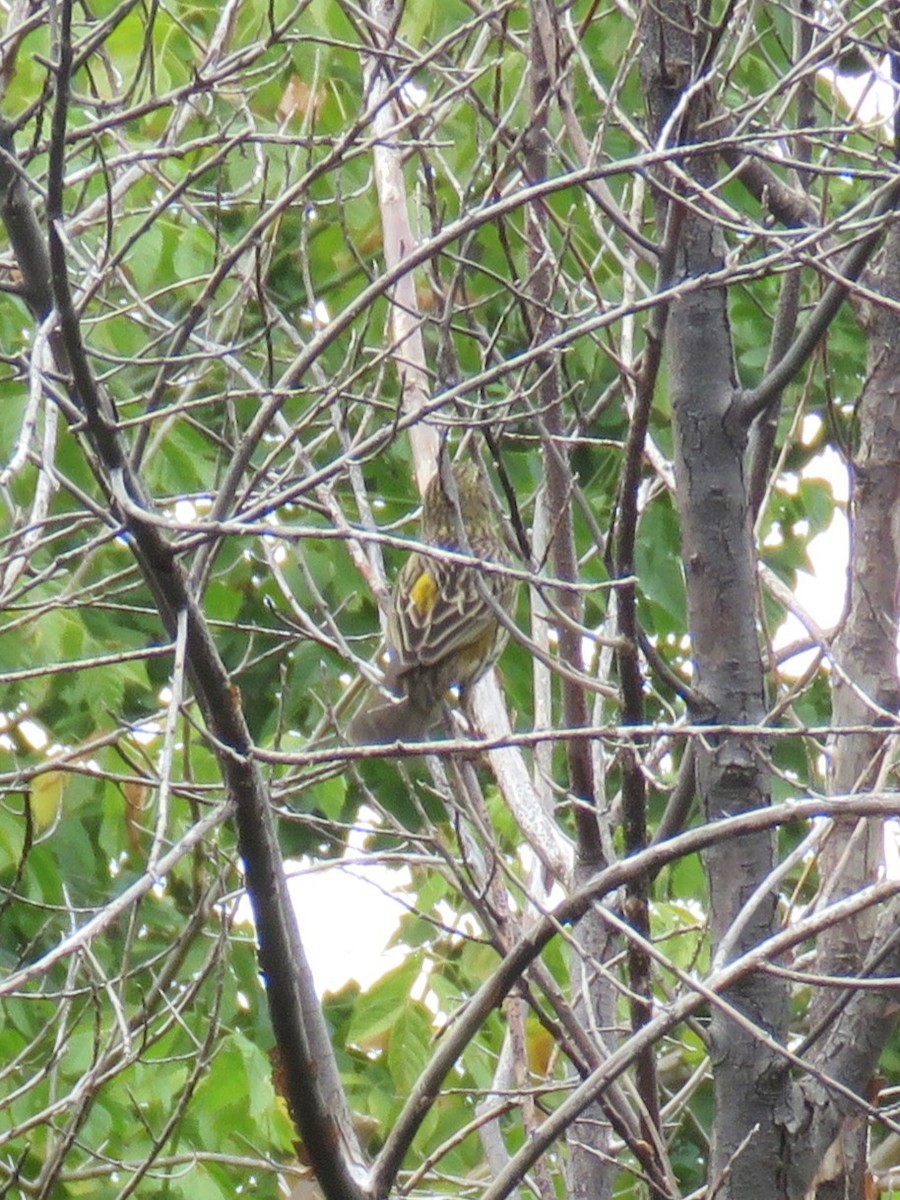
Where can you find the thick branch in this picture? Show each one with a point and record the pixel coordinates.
(723, 982)
(719, 565)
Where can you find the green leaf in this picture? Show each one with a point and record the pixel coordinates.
(409, 1047)
(381, 1006)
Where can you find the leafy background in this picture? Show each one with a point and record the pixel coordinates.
(221, 216)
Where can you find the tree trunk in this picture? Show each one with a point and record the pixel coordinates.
(719, 564)
(866, 653)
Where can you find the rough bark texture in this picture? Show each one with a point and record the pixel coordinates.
(866, 652)
(719, 563)
(732, 776)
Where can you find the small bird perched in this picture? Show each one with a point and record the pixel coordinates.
(443, 630)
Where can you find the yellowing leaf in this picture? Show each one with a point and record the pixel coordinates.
(46, 797)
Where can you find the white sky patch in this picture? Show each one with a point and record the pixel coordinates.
(414, 94)
(147, 732)
(820, 592)
(34, 734)
(892, 849)
(185, 510)
(316, 316)
(347, 912)
(347, 915)
(870, 95)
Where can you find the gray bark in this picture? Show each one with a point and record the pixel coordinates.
(831, 1160)
(719, 562)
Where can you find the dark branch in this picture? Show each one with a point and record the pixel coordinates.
(316, 1097)
(751, 404)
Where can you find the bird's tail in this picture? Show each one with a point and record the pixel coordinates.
(384, 720)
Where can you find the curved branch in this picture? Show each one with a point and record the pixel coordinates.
(650, 861)
(700, 994)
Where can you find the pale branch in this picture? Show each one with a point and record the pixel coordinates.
(129, 1044)
(621, 1102)
(85, 934)
(614, 734)
(382, 93)
(488, 707)
(273, 401)
(544, 836)
(590, 1172)
(475, 218)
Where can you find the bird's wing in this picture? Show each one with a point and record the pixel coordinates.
(438, 610)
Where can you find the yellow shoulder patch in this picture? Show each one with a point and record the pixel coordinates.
(424, 593)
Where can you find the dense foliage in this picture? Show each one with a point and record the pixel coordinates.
(234, 184)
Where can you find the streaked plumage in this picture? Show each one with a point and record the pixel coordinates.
(443, 630)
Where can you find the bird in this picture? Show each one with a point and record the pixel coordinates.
(443, 630)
